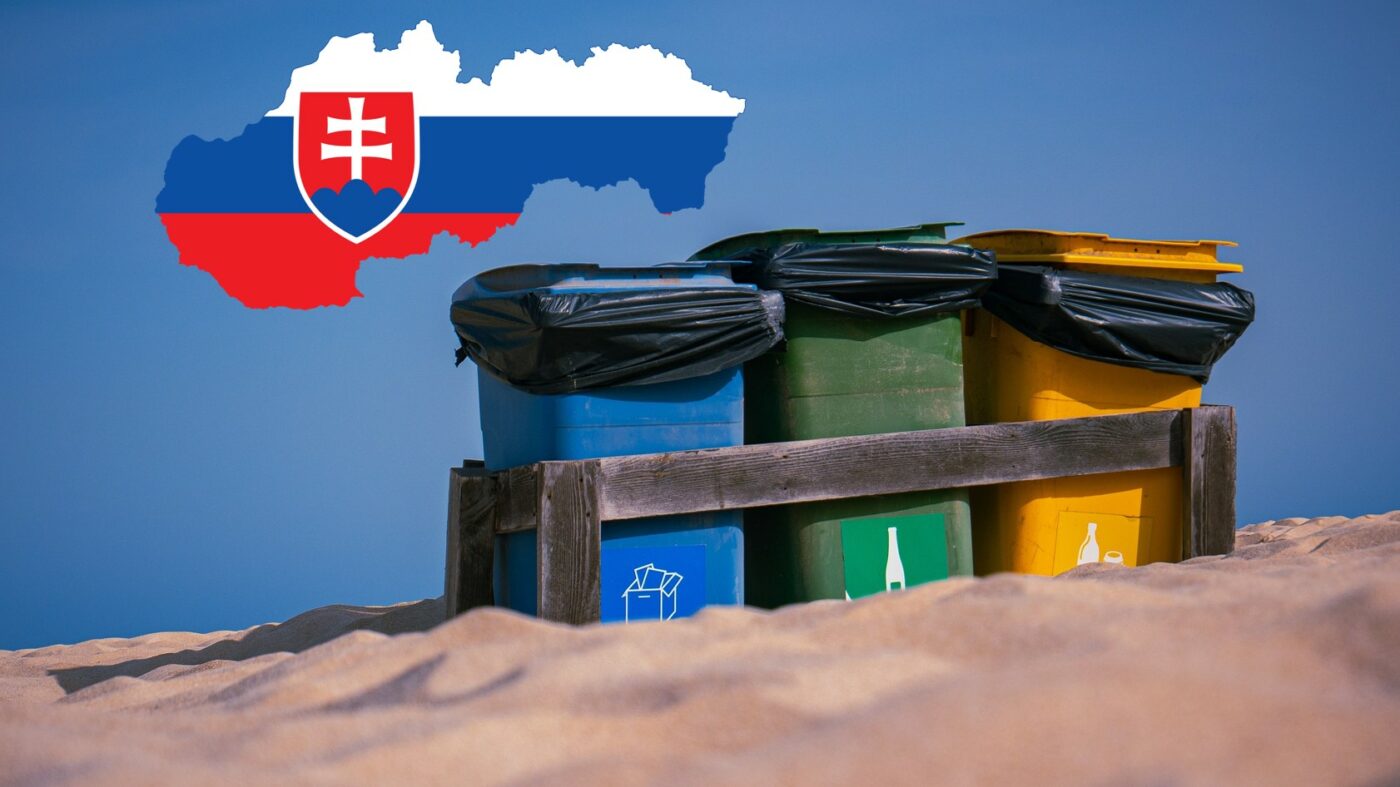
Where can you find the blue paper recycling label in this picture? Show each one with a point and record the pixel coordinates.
(652, 583)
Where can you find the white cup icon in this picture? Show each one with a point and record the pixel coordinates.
(1113, 556)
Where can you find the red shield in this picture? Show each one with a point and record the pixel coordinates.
(356, 158)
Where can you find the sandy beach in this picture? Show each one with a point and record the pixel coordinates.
(1278, 664)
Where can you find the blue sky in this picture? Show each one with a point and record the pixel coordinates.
(171, 460)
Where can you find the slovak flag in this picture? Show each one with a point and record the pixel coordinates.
(372, 153)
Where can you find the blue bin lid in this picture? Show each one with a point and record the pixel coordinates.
(568, 327)
(588, 276)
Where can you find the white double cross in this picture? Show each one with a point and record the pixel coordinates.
(357, 124)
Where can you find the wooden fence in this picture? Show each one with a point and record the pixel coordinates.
(569, 502)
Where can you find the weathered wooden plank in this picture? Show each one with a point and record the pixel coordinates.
(810, 470)
(470, 533)
(517, 499)
(569, 542)
(1208, 482)
(453, 576)
(1193, 482)
(478, 540)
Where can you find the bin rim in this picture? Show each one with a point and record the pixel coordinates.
(574, 275)
(765, 238)
(1097, 248)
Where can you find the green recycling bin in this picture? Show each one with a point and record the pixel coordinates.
(852, 371)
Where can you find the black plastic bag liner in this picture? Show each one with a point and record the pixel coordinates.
(873, 280)
(549, 341)
(1166, 326)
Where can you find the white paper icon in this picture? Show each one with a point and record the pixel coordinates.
(652, 594)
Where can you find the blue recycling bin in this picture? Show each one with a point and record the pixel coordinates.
(651, 569)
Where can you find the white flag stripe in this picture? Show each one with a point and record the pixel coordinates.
(618, 81)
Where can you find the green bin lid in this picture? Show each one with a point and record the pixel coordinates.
(935, 232)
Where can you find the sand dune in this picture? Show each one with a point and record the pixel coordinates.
(1278, 664)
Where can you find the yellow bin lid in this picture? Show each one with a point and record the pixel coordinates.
(1093, 248)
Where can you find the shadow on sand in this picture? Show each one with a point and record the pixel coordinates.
(304, 631)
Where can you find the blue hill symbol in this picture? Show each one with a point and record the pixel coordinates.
(357, 209)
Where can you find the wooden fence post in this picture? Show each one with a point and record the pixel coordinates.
(1208, 475)
(471, 520)
(569, 534)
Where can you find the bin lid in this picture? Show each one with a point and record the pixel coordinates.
(1095, 248)
(550, 329)
(934, 232)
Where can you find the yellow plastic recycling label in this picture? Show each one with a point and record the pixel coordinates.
(1097, 538)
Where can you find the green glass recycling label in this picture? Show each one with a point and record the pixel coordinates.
(893, 553)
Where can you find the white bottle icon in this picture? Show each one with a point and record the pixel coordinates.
(894, 567)
(1089, 550)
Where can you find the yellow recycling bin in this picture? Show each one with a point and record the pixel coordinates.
(1051, 526)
